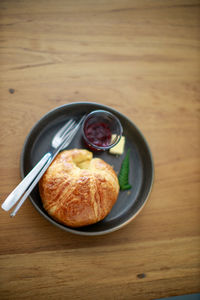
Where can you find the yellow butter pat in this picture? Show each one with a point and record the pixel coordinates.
(119, 148)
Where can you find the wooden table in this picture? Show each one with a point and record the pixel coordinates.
(141, 58)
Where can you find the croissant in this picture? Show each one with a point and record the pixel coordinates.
(77, 189)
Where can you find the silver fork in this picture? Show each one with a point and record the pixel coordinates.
(61, 140)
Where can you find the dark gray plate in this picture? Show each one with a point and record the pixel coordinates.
(129, 203)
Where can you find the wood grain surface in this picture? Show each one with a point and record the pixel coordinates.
(141, 58)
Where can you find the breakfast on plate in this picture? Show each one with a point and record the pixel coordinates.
(77, 189)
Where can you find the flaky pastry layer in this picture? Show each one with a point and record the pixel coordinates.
(77, 189)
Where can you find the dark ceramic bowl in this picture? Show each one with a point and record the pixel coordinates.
(129, 203)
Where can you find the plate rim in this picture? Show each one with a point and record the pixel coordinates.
(69, 229)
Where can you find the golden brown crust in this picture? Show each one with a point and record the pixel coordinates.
(77, 189)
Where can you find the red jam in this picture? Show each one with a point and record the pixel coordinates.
(99, 134)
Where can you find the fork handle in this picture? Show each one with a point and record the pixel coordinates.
(12, 199)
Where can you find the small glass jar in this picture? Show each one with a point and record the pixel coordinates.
(101, 130)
